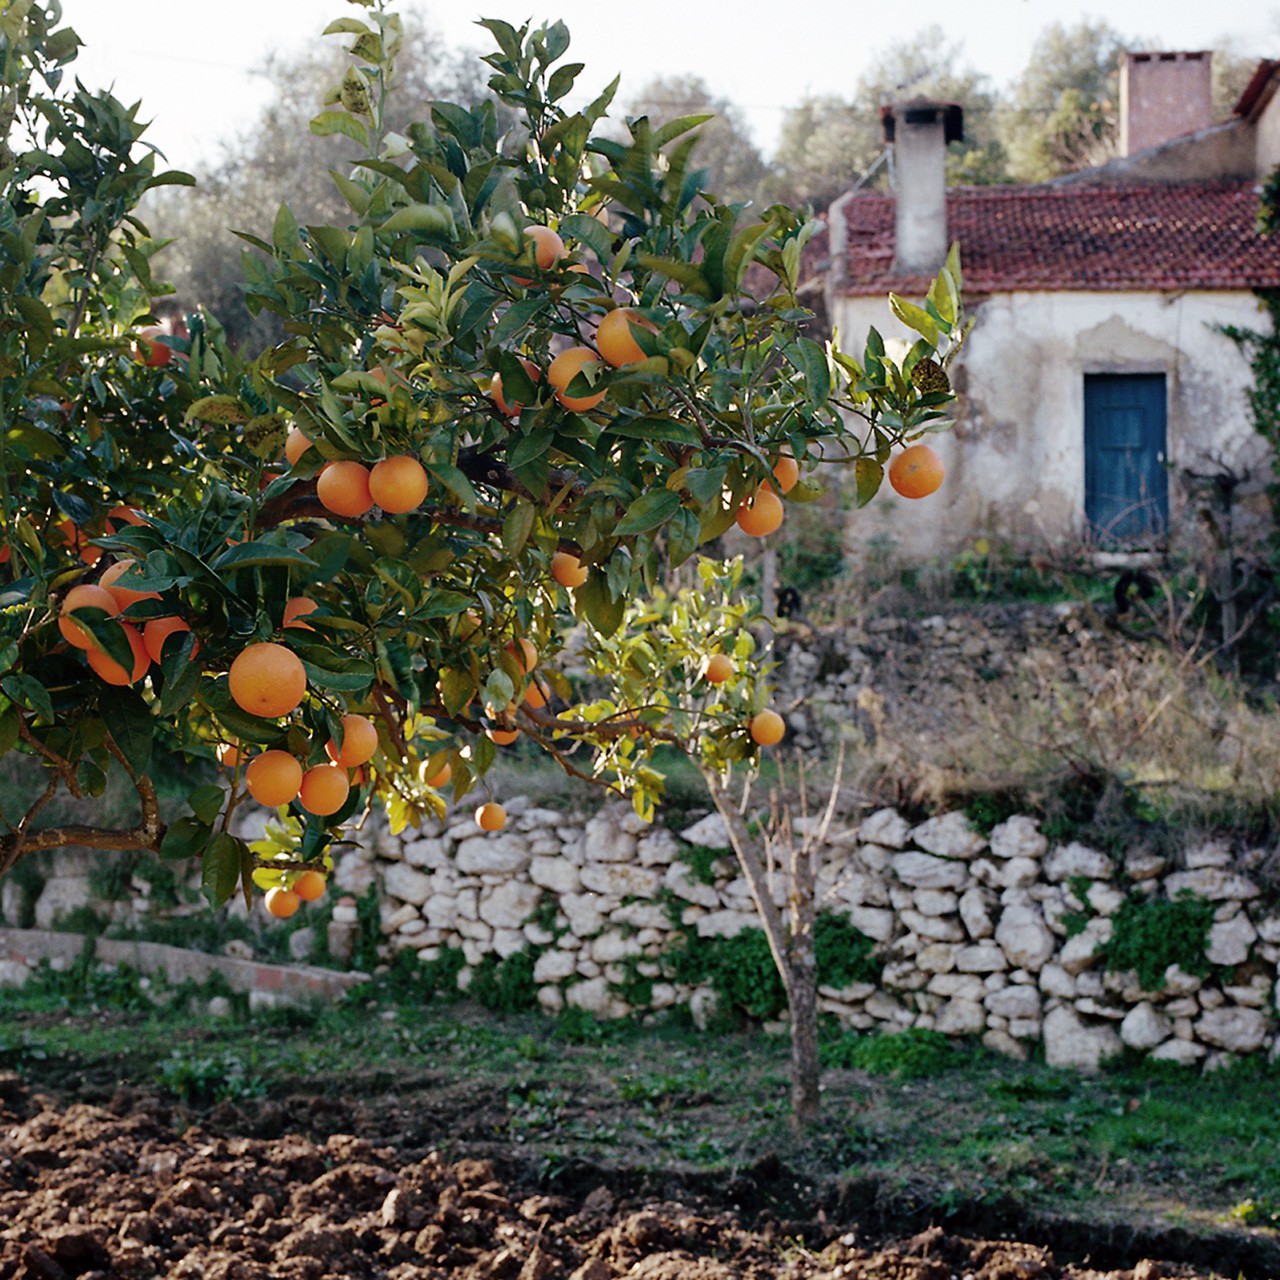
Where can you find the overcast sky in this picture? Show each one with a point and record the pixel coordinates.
(192, 62)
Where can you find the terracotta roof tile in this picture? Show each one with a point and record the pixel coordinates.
(1180, 236)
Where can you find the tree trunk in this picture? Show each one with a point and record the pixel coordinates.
(802, 1001)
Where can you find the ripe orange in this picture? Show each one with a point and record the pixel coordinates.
(297, 607)
(147, 350)
(534, 694)
(359, 742)
(157, 631)
(503, 737)
(295, 445)
(125, 596)
(916, 472)
(548, 249)
(718, 668)
(273, 778)
(767, 727)
(281, 902)
(324, 789)
(786, 471)
(562, 371)
(567, 569)
(228, 754)
(495, 389)
(343, 488)
(525, 652)
(111, 671)
(85, 596)
(267, 680)
(73, 539)
(441, 776)
(761, 514)
(125, 515)
(491, 816)
(398, 483)
(615, 341)
(310, 885)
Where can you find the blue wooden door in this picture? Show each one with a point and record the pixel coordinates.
(1126, 486)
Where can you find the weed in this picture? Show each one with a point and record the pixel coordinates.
(909, 1055)
(1150, 934)
(506, 985)
(1261, 1212)
(202, 1080)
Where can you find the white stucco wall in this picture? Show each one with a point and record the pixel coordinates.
(1015, 460)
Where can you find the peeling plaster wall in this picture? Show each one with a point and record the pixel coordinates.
(1015, 460)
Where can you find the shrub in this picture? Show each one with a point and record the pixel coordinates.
(1151, 934)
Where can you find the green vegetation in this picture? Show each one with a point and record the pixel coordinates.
(1150, 934)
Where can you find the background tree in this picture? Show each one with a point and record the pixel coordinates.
(734, 167)
(827, 142)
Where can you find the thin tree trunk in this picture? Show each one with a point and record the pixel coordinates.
(802, 993)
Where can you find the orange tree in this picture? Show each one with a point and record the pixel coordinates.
(354, 556)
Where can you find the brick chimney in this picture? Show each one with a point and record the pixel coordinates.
(919, 131)
(1163, 96)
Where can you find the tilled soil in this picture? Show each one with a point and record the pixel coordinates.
(131, 1190)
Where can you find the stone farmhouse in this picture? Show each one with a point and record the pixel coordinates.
(1097, 395)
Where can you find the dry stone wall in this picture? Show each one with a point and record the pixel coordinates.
(1003, 937)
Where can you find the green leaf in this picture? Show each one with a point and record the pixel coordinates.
(456, 689)
(594, 603)
(810, 359)
(130, 723)
(674, 128)
(683, 536)
(184, 838)
(442, 604)
(423, 219)
(589, 231)
(656, 429)
(261, 553)
(529, 448)
(206, 802)
(516, 319)
(915, 318)
(648, 512)
(456, 482)
(328, 123)
(683, 273)
(346, 26)
(868, 475)
(517, 527)
(181, 675)
(10, 727)
(220, 868)
(218, 409)
(562, 80)
(28, 692)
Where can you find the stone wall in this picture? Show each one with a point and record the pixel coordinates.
(1002, 937)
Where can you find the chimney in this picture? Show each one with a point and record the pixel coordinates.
(919, 131)
(1163, 96)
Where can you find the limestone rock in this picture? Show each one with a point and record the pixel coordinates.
(875, 922)
(621, 879)
(1211, 853)
(936, 928)
(557, 874)
(606, 840)
(1229, 942)
(1185, 1053)
(725, 924)
(1214, 883)
(593, 995)
(1144, 1027)
(657, 847)
(1077, 860)
(680, 880)
(509, 905)
(925, 871)
(1019, 837)
(1025, 938)
(959, 1017)
(505, 853)
(885, 827)
(614, 945)
(1003, 1043)
(951, 835)
(934, 902)
(709, 833)
(1081, 952)
(1018, 872)
(1233, 1028)
(983, 957)
(966, 985)
(1056, 981)
(584, 912)
(938, 957)
(401, 881)
(976, 914)
(1068, 1042)
(1014, 1002)
(552, 966)
(1104, 899)
(60, 896)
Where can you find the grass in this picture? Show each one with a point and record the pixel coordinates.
(1135, 1144)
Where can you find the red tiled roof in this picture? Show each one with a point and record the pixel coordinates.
(1182, 236)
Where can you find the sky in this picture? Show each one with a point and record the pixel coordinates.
(195, 64)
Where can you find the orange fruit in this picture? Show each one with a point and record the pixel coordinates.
(111, 671)
(548, 249)
(295, 445)
(147, 350)
(495, 389)
(310, 885)
(786, 471)
(615, 341)
(228, 754)
(767, 727)
(85, 596)
(534, 695)
(125, 515)
(359, 742)
(468, 625)
(74, 540)
(398, 483)
(491, 816)
(273, 778)
(525, 651)
(157, 631)
(503, 737)
(567, 569)
(267, 680)
(562, 371)
(761, 514)
(324, 789)
(343, 488)
(916, 472)
(718, 668)
(297, 607)
(125, 596)
(441, 776)
(281, 902)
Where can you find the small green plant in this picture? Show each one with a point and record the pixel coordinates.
(910, 1055)
(1076, 922)
(203, 1080)
(1258, 1211)
(844, 953)
(364, 950)
(506, 985)
(702, 862)
(1150, 934)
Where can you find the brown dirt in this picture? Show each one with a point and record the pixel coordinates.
(133, 1190)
